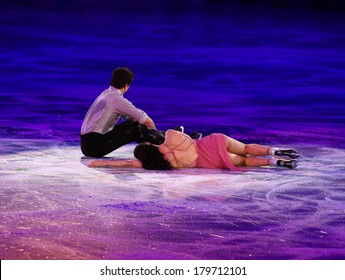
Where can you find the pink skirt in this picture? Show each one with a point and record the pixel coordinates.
(212, 153)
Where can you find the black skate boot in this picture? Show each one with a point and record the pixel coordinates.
(287, 163)
(151, 135)
(196, 135)
(291, 153)
(179, 128)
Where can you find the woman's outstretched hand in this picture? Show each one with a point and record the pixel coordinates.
(97, 163)
(131, 163)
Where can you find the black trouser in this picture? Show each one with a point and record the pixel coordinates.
(98, 145)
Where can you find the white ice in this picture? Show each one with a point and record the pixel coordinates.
(53, 206)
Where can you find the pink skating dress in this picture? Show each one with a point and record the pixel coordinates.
(212, 153)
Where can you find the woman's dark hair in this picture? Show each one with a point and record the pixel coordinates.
(120, 77)
(151, 158)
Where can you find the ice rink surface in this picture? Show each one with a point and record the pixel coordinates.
(264, 75)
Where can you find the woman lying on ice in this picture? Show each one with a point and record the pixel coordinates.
(213, 151)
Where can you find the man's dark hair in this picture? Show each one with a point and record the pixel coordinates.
(120, 77)
(151, 158)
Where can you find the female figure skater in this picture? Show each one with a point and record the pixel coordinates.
(213, 151)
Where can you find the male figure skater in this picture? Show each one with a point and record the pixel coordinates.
(100, 134)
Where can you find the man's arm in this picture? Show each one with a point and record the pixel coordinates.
(149, 123)
(131, 163)
(125, 107)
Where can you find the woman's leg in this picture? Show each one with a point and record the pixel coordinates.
(252, 161)
(239, 148)
(238, 151)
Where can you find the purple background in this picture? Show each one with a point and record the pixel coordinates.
(211, 66)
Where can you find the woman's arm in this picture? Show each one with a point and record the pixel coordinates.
(131, 163)
(177, 140)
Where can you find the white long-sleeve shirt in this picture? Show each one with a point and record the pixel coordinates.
(107, 109)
